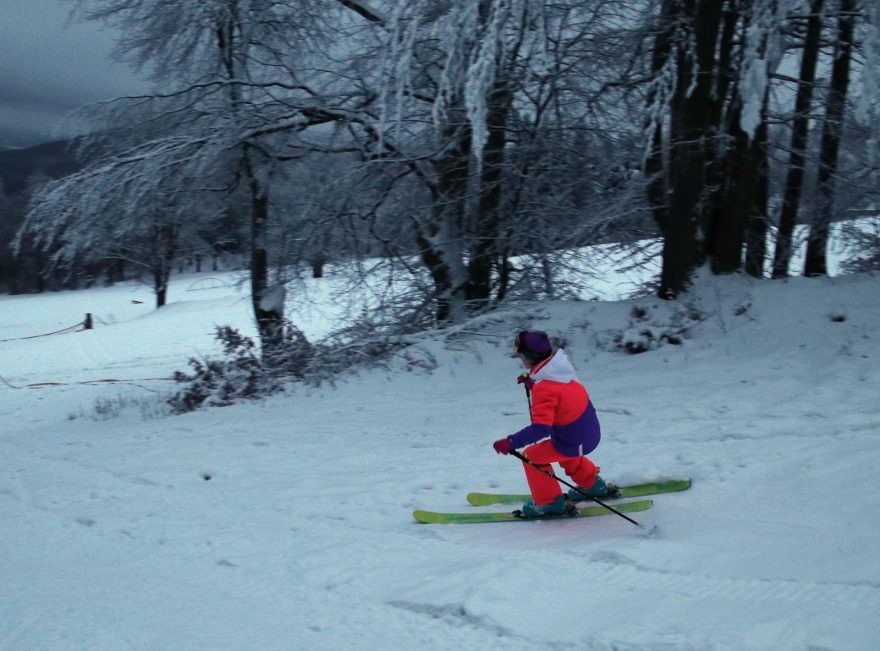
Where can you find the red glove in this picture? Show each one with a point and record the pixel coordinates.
(502, 446)
(526, 380)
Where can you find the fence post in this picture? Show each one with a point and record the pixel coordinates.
(87, 324)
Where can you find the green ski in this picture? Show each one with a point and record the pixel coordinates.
(432, 517)
(632, 490)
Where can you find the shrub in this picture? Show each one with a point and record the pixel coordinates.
(241, 373)
(649, 332)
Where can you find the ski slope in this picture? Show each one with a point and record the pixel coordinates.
(286, 524)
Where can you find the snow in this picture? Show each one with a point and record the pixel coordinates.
(286, 524)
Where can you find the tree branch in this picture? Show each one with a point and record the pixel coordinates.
(363, 11)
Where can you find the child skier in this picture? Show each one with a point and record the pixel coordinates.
(563, 415)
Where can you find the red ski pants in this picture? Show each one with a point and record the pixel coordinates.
(545, 489)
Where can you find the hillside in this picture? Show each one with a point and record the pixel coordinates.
(51, 159)
(286, 524)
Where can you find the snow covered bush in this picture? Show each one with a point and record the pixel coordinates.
(863, 240)
(241, 373)
(647, 331)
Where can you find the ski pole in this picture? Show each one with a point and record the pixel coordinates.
(577, 488)
(528, 394)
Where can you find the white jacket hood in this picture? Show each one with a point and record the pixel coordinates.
(557, 369)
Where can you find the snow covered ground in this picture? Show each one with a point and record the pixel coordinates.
(286, 524)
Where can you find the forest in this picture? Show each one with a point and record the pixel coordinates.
(469, 151)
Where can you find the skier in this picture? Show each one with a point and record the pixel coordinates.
(564, 427)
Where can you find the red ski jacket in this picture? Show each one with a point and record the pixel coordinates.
(561, 409)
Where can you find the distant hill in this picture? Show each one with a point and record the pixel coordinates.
(54, 159)
(22, 138)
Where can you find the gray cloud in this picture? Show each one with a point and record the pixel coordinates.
(49, 67)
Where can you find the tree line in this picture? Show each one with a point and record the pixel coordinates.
(470, 144)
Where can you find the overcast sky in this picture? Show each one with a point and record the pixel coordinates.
(49, 67)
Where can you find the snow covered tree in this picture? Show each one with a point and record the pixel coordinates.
(750, 188)
(716, 102)
(472, 95)
(94, 216)
(233, 87)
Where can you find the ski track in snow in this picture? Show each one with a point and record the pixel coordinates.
(616, 571)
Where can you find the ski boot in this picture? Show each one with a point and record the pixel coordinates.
(598, 489)
(532, 510)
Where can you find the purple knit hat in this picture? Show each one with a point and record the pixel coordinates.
(534, 344)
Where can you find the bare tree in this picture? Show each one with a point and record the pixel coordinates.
(694, 26)
(800, 132)
(835, 103)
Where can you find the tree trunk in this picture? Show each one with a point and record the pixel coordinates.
(816, 263)
(756, 219)
(268, 310)
(160, 286)
(653, 167)
(486, 223)
(722, 144)
(165, 243)
(441, 276)
(800, 131)
(318, 266)
(689, 127)
(268, 306)
(729, 219)
(503, 263)
(440, 242)
(116, 271)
